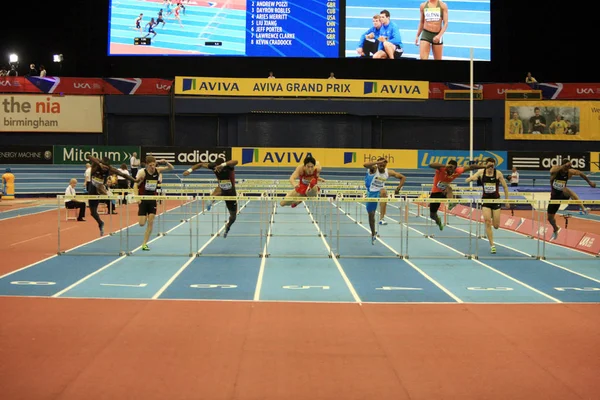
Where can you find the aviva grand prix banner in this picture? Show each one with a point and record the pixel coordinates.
(552, 120)
(46, 113)
(328, 158)
(427, 157)
(301, 88)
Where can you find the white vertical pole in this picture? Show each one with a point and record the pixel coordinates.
(471, 83)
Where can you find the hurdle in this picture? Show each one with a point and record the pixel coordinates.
(111, 228)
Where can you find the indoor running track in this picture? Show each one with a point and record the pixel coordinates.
(299, 268)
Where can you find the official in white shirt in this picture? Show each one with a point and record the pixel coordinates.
(134, 163)
(87, 177)
(514, 177)
(70, 191)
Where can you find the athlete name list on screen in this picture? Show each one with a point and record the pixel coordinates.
(288, 29)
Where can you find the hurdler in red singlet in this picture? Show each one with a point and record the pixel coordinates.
(308, 174)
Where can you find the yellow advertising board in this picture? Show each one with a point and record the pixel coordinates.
(552, 120)
(328, 158)
(256, 87)
(47, 113)
(595, 161)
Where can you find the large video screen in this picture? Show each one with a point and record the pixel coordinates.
(254, 28)
(369, 27)
(302, 28)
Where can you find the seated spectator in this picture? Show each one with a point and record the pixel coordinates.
(531, 81)
(369, 43)
(70, 204)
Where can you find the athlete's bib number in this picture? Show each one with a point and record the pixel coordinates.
(442, 185)
(151, 186)
(489, 187)
(559, 185)
(433, 14)
(377, 184)
(225, 185)
(306, 181)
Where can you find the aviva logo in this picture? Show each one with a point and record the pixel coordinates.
(349, 157)
(400, 89)
(249, 156)
(267, 157)
(200, 85)
(370, 87)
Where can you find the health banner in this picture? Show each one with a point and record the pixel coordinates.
(328, 158)
(43, 113)
(301, 88)
(552, 120)
(188, 155)
(544, 160)
(13, 154)
(462, 158)
(79, 154)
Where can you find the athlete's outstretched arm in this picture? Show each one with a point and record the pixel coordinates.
(218, 167)
(195, 167)
(370, 165)
(169, 167)
(98, 162)
(295, 175)
(504, 185)
(400, 176)
(576, 172)
(436, 165)
(475, 166)
(475, 176)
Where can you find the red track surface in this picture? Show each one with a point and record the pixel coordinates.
(31, 238)
(106, 349)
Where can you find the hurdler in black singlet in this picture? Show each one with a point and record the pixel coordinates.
(558, 183)
(491, 189)
(148, 187)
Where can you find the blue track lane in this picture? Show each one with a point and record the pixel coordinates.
(299, 268)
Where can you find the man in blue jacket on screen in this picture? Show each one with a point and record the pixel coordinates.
(369, 41)
(390, 42)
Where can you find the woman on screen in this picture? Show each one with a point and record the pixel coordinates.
(432, 26)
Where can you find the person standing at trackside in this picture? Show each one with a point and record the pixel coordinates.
(146, 185)
(134, 163)
(491, 179)
(225, 173)
(514, 177)
(8, 184)
(122, 181)
(87, 177)
(72, 203)
(559, 175)
(444, 176)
